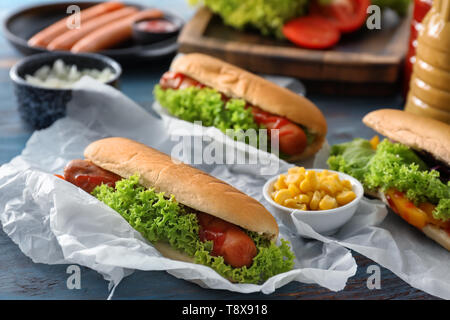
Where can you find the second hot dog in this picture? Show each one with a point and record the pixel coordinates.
(203, 88)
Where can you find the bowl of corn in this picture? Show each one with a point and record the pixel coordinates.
(323, 199)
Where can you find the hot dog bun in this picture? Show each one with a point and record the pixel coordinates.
(419, 133)
(437, 234)
(416, 132)
(238, 83)
(191, 187)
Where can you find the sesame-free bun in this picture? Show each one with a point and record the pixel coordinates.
(238, 83)
(420, 133)
(191, 187)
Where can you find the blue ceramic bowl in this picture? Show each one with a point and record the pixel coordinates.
(39, 106)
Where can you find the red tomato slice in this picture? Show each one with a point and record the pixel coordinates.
(346, 15)
(313, 32)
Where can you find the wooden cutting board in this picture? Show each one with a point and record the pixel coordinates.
(364, 63)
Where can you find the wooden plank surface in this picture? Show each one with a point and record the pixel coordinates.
(20, 278)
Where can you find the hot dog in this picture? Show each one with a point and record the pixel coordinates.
(293, 139)
(70, 37)
(411, 175)
(300, 125)
(187, 214)
(44, 37)
(112, 33)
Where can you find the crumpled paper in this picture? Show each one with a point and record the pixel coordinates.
(54, 222)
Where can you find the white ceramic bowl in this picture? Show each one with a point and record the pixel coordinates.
(325, 222)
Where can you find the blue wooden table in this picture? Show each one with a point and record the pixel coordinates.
(20, 278)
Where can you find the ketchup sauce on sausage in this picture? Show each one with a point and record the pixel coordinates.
(86, 175)
(292, 138)
(229, 241)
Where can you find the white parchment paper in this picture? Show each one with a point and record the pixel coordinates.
(54, 222)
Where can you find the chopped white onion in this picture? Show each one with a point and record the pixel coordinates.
(62, 76)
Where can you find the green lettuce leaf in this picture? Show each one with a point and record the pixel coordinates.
(267, 16)
(159, 218)
(206, 105)
(351, 157)
(392, 165)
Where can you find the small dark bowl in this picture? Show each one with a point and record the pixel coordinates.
(147, 37)
(39, 106)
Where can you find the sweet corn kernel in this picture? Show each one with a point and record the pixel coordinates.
(280, 184)
(324, 173)
(325, 186)
(293, 189)
(306, 186)
(294, 178)
(314, 204)
(327, 203)
(345, 197)
(291, 203)
(301, 171)
(331, 186)
(347, 184)
(281, 196)
(312, 176)
(304, 198)
(293, 170)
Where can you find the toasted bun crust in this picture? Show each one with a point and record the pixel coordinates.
(190, 186)
(412, 130)
(238, 83)
(438, 234)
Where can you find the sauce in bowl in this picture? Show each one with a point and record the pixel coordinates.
(156, 26)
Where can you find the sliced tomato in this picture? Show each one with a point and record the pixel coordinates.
(346, 15)
(312, 32)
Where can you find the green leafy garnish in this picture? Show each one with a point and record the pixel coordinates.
(392, 166)
(159, 218)
(267, 16)
(206, 105)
